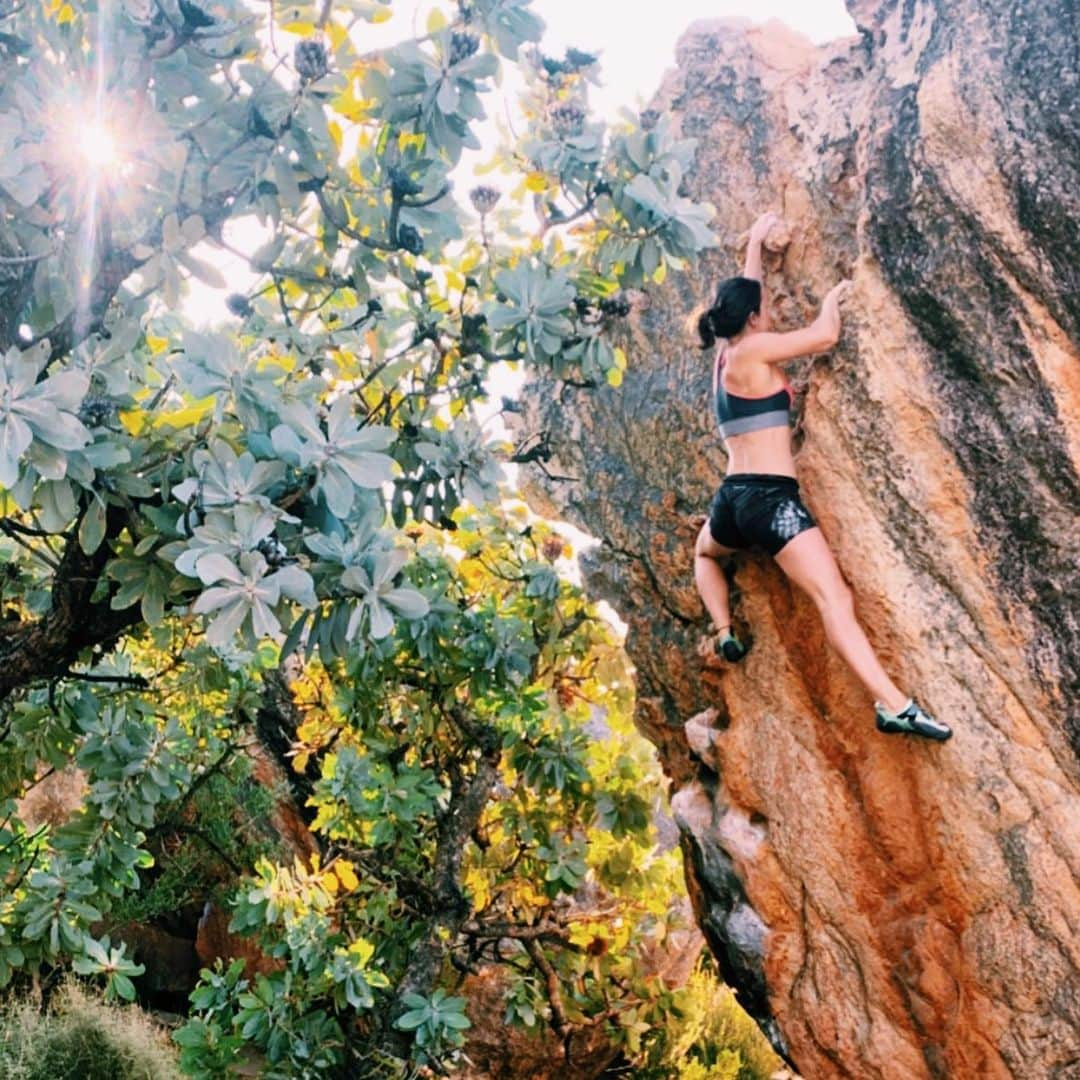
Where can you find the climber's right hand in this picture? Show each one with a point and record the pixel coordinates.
(839, 292)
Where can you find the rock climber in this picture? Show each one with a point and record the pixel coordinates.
(758, 503)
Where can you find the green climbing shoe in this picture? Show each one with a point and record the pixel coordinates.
(731, 648)
(912, 719)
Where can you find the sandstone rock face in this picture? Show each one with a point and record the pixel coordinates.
(886, 908)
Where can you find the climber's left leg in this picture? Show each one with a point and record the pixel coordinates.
(713, 587)
(808, 561)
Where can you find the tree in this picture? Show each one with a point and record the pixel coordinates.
(195, 523)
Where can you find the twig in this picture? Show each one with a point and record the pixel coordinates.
(559, 1020)
(52, 563)
(21, 260)
(136, 681)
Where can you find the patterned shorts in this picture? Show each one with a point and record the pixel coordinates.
(758, 510)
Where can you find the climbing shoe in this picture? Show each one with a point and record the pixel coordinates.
(912, 719)
(730, 647)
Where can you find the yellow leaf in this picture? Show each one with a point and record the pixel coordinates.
(329, 882)
(660, 273)
(346, 874)
(405, 140)
(620, 359)
(347, 104)
(471, 259)
(363, 950)
(532, 896)
(476, 883)
(436, 21)
(303, 29)
(67, 15)
(134, 420)
(455, 280)
(156, 345)
(614, 376)
(488, 166)
(337, 34)
(536, 181)
(335, 132)
(187, 416)
(382, 16)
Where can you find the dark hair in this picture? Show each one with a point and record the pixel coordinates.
(736, 300)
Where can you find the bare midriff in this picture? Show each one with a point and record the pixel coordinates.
(766, 451)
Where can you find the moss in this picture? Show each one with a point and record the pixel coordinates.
(224, 827)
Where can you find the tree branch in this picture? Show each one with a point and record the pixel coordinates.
(48, 646)
(559, 1020)
(468, 798)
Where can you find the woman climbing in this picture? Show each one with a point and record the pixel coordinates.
(758, 502)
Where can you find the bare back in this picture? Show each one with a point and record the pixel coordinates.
(765, 451)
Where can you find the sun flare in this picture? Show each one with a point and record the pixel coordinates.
(96, 144)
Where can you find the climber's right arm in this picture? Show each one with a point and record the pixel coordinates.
(820, 336)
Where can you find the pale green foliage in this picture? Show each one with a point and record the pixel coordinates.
(38, 418)
(437, 1021)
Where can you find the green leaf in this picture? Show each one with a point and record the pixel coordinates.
(413, 1019)
(92, 526)
(122, 986)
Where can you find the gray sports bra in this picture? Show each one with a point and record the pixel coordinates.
(737, 415)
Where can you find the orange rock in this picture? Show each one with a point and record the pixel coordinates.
(215, 941)
(885, 908)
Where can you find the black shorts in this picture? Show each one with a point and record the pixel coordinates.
(758, 510)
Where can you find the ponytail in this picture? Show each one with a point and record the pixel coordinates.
(705, 328)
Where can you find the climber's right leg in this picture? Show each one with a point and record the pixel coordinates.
(808, 561)
(713, 587)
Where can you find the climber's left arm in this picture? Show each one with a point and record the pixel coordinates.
(758, 231)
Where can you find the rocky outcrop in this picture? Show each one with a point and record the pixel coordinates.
(886, 909)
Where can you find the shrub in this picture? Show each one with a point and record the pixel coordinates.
(709, 1037)
(80, 1037)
